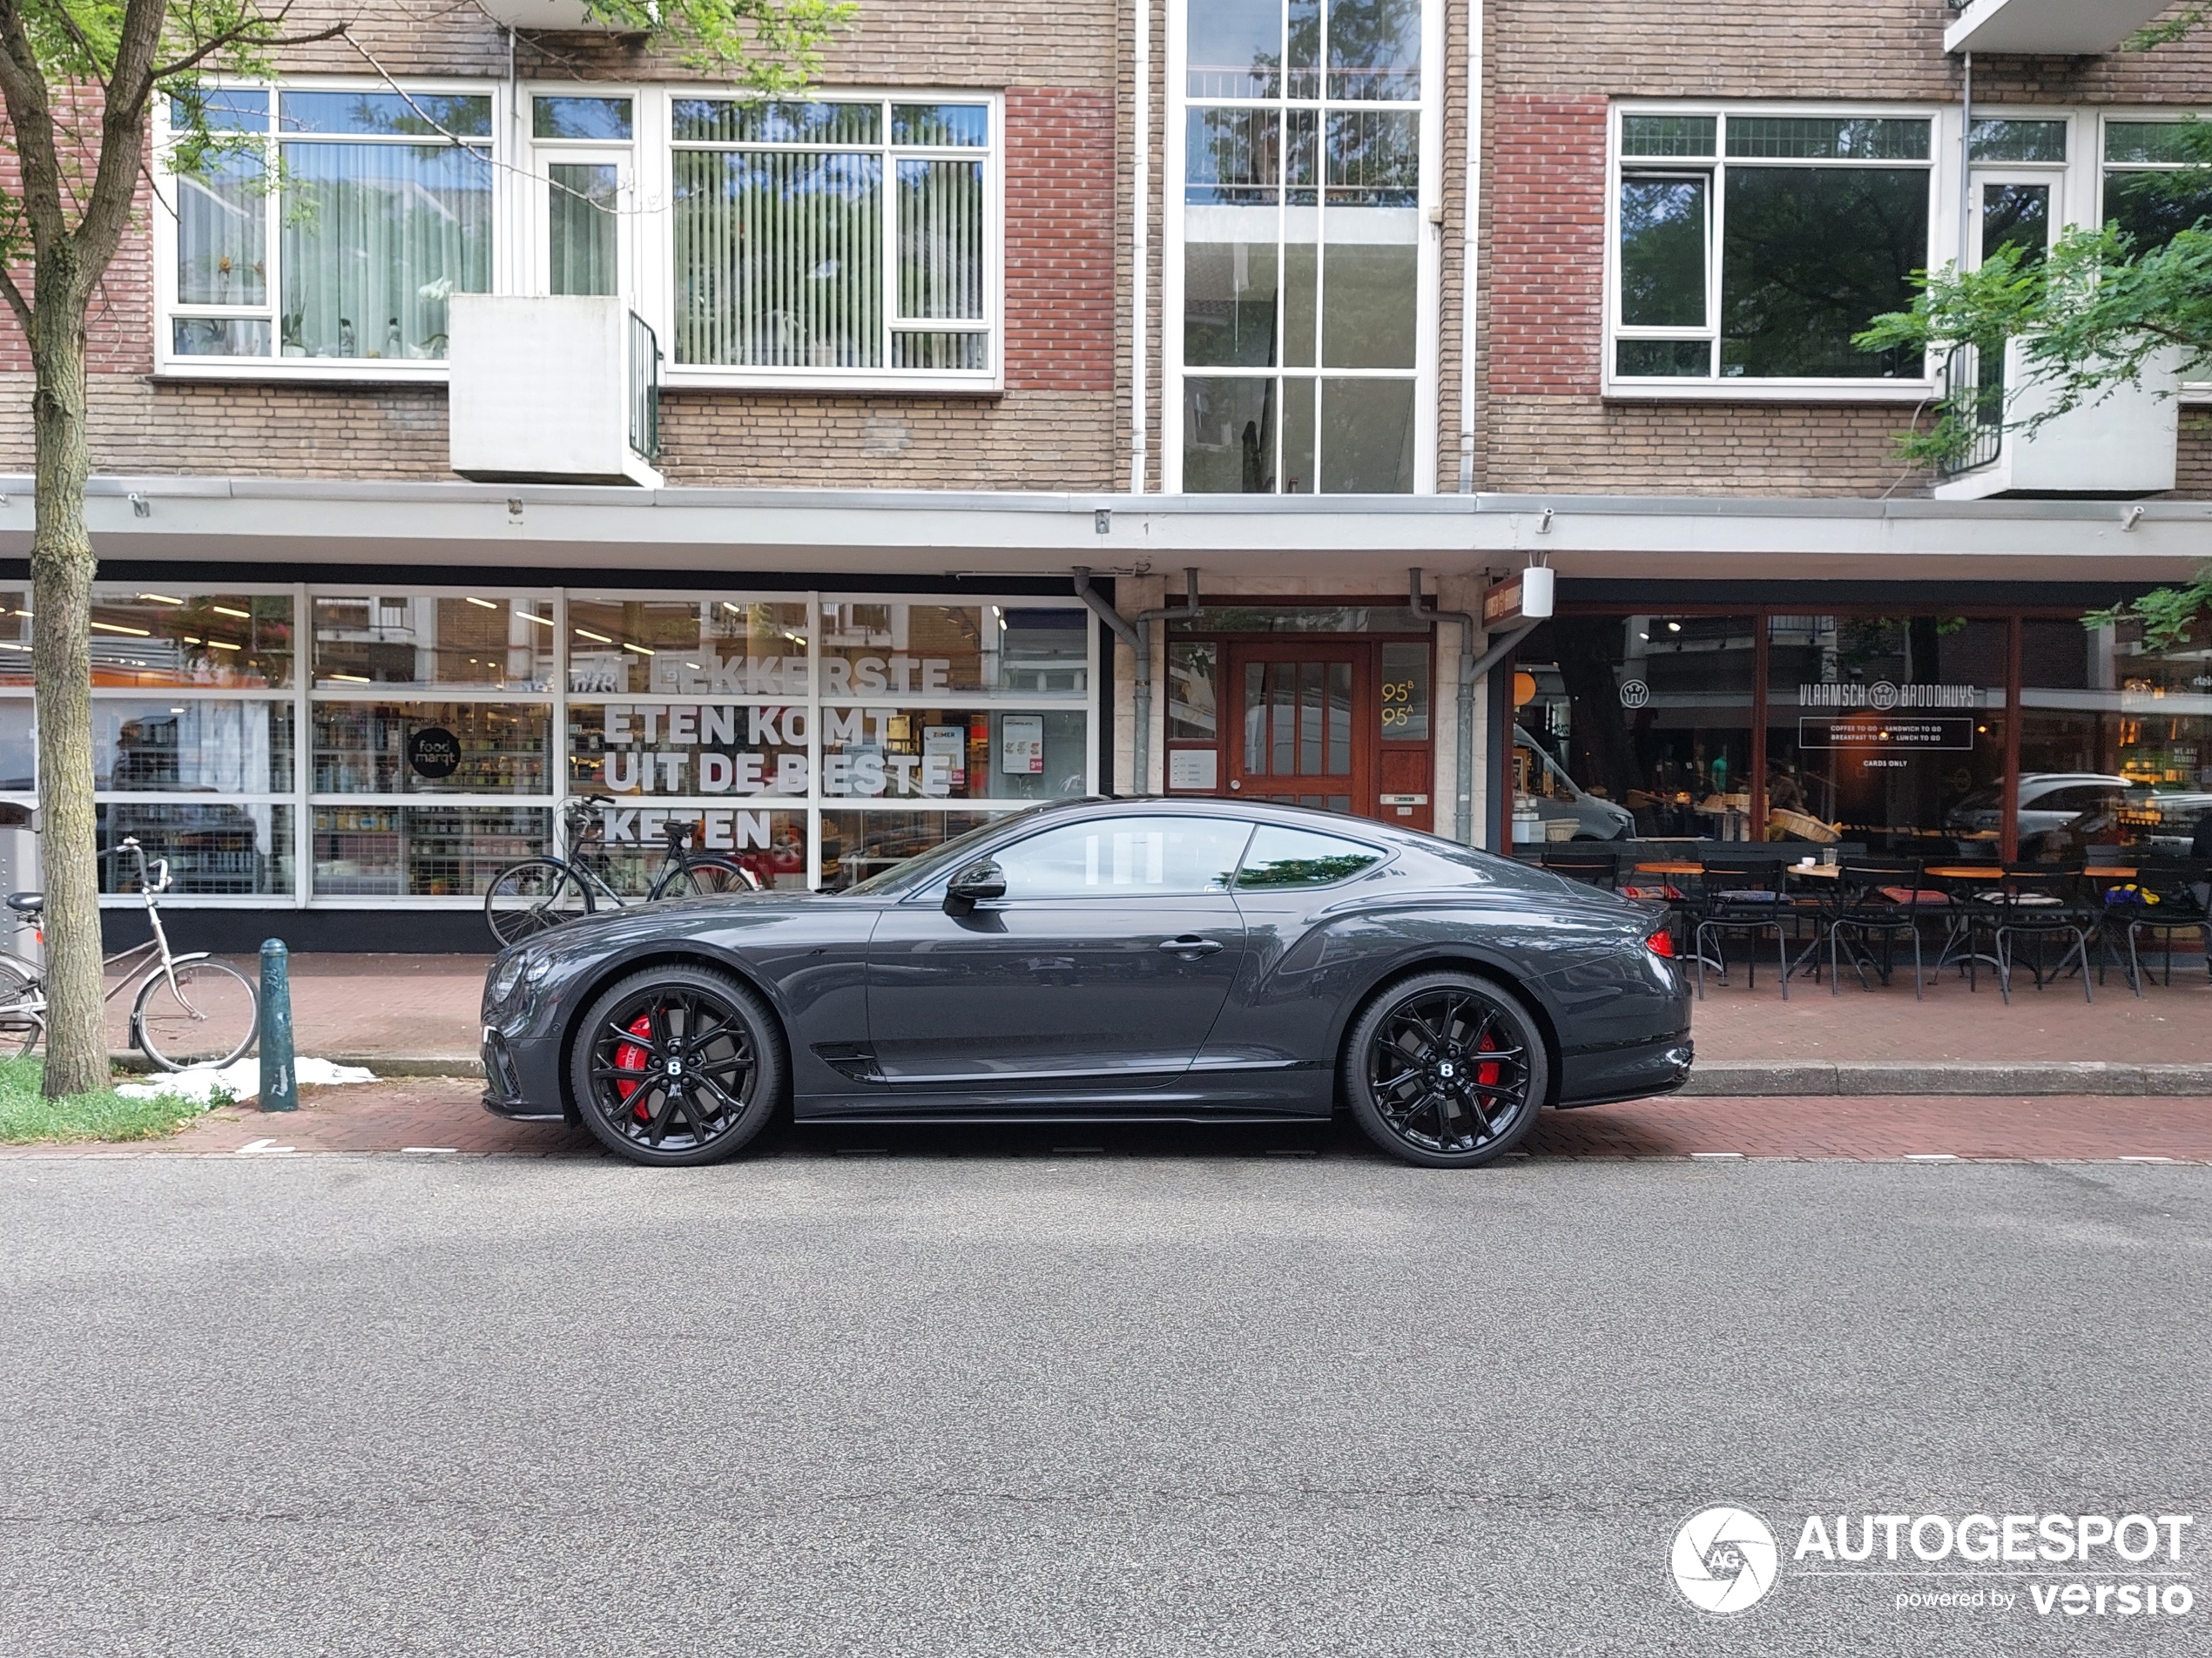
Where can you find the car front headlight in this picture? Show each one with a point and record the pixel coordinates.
(504, 978)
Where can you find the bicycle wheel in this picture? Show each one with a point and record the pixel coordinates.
(527, 898)
(202, 1013)
(22, 1010)
(702, 878)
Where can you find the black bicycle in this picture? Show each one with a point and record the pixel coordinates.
(527, 898)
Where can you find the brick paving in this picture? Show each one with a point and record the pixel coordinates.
(423, 1114)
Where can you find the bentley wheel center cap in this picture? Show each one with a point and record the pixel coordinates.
(676, 1068)
(1445, 1070)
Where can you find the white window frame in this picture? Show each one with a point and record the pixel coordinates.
(657, 171)
(1943, 207)
(2093, 188)
(530, 190)
(1174, 217)
(169, 364)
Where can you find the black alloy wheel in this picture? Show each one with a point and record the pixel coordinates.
(677, 1065)
(1447, 1070)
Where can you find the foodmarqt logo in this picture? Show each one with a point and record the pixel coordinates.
(1724, 1559)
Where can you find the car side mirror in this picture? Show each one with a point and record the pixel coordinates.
(981, 879)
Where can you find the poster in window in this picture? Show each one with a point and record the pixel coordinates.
(1021, 744)
(951, 741)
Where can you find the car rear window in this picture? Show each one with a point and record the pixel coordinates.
(1281, 858)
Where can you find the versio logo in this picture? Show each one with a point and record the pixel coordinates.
(1724, 1559)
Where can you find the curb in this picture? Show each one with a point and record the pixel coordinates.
(1754, 1079)
(383, 1064)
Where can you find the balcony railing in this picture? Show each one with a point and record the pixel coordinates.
(1982, 376)
(645, 388)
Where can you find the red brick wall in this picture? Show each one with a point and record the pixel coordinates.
(1059, 225)
(1547, 227)
(118, 327)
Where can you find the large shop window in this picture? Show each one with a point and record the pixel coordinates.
(2115, 740)
(438, 735)
(1753, 247)
(1301, 265)
(379, 206)
(1883, 731)
(833, 236)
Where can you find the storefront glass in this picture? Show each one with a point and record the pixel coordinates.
(1651, 714)
(444, 729)
(1889, 729)
(2115, 740)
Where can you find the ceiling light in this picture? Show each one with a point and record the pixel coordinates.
(224, 609)
(348, 678)
(161, 598)
(542, 621)
(1674, 627)
(117, 627)
(484, 604)
(640, 649)
(586, 633)
(176, 711)
(223, 645)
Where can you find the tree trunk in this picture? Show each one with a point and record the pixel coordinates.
(61, 572)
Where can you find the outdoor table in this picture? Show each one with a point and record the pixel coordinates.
(1670, 869)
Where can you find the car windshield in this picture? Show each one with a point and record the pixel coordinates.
(919, 868)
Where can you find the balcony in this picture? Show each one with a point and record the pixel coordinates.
(2117, 448)
(2047, 28)
(552, 15)
(561, 390)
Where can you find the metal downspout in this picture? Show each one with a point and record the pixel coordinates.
(1471, 668)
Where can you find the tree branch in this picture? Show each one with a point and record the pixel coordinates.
(16, 303)
(123, 124)
(31, 113)
(193, 59)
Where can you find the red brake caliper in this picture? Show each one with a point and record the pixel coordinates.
(1487, 1075)
(630, 1057)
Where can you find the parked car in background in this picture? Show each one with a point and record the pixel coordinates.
(1558, 796)
(2068, 805)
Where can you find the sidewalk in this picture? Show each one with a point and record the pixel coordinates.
(416, 1015)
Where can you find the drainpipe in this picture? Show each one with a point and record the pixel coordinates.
(1471, 668)
(1966, 167)
(1137, 635)
(1140, 236)
(1472, 232)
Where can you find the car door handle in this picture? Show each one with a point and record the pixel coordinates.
(1192, 946)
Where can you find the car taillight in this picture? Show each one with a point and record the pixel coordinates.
(1661, 944)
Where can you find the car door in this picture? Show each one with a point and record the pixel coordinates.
(1103, 966)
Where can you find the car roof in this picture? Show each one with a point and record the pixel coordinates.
(1314, 817)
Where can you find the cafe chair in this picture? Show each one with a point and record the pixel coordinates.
(1598, 869)
(2167, 898)
(1742, 897)
(2038, 904)
(1885, 901)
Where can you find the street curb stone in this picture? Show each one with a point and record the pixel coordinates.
(1751, 1079)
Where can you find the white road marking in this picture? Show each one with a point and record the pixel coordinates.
(2146, 1160)
(263, 1149)
(1722, 1156)
(1932, 1156)
(435, 1151)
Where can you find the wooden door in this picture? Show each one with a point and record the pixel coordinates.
(1299, 723)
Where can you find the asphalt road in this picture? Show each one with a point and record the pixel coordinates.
(1019, 1404)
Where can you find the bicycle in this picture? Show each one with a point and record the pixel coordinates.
(191, 1010)
(529, 897)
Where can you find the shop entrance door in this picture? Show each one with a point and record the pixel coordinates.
(1299, 715)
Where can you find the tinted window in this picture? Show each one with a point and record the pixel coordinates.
(1299, 858)
(1125, 857)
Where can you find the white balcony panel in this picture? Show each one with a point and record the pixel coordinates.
(2053, 28)
(2121, 445)
(539, 391)
(570, 15)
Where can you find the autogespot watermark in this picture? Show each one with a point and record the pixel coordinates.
(1726, 1560)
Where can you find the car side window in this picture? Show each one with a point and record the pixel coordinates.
(1126, 858)
(1281, 858)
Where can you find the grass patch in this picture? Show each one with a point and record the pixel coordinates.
(26, 1115)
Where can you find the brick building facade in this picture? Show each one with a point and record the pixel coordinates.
(1027, 293)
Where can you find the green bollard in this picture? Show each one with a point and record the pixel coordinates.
(279, 1087)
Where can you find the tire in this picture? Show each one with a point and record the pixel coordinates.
(21, 1026)
(730, 1076)
(532, 897)
(702, 878)
(207, 1019)
(1417, 1074)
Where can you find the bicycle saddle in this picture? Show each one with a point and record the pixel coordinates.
(26, 903)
